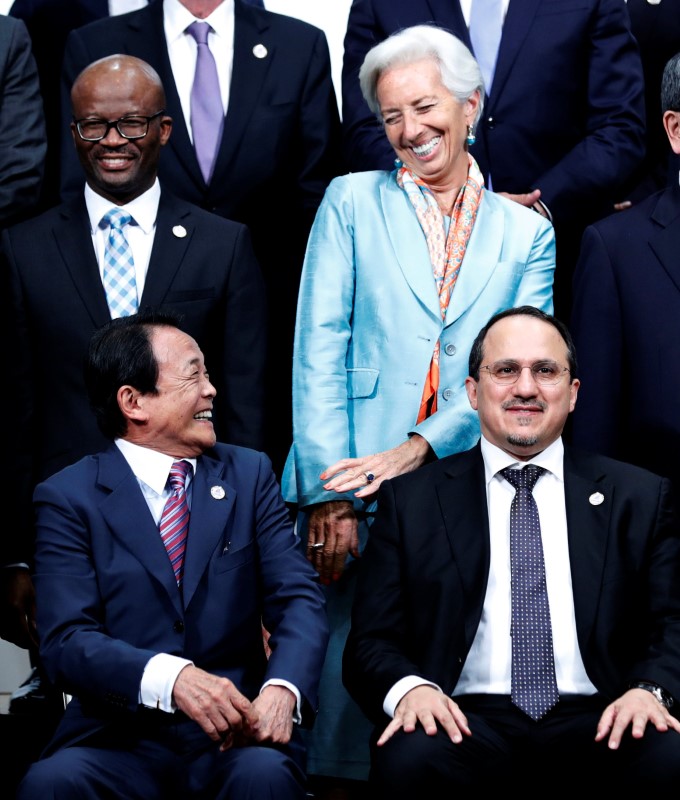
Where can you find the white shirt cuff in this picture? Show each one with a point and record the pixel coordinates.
(158, 680)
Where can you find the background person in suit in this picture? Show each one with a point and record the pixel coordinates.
(625, 319)
(49, 22)
(401, 269)
(279, 147)
(429, 658)
(563, 145)
(53, 298)
(162, 649)
(22, 125)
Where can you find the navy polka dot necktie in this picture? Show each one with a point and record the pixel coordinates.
(534, 686)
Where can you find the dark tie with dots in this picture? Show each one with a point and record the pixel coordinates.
(534, 686)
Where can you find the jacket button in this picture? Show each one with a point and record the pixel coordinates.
(450, 349)
(491, 123)
(178, 627)
(447, 394)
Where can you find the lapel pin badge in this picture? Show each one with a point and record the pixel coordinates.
(226, 547)
(260, 51)
(217, 492)
(179, 231)
(596, 499)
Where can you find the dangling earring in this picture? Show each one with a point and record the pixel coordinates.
(397, 163)
(471, 138)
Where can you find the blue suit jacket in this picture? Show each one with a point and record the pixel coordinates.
(625, 326)
(369, 317)
(565, 113)
(108, 601)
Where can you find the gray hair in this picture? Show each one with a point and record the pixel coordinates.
(670, 85)
(459, 71)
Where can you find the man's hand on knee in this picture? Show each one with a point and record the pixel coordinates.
(430, 708)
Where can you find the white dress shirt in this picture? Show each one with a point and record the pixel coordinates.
(152, 470)
(123, 6)
(182, 50)
(139, 233)
(488, 667)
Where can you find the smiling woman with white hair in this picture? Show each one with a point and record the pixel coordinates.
(402, 269)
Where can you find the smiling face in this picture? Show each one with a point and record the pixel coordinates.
(178, 419)
(119, 169)
(524, 417)
(425, 123)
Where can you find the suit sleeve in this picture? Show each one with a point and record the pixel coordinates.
(244, 348)
(375, 656)
(23, 141)
(597, 328)
(613, 118)
(365, 144)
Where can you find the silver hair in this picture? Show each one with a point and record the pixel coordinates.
(459, 71)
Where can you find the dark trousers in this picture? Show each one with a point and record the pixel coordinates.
(506, 746)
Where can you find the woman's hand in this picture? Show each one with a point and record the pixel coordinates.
(332, 532)
(368, 472)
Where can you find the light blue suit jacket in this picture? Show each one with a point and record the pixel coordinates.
(368, 319)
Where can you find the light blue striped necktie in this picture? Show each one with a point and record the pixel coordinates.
(486, 27)
(119, 266)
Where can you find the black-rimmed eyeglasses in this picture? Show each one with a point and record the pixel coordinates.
(135, 126)
(507, 372)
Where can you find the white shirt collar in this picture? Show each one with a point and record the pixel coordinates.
(149, 466)
(177, 18)
(495, 459)
(143, 209)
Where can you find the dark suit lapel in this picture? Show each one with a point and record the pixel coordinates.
(130, 521)
(212, 503)
(518, 21)
(146, 40)
(665, 243)
(447, 14)
(589, 500)
(463, 504)
(251, 30)
(74, 242)
(174, 231)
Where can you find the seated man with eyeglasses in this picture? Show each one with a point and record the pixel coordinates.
(517, 614)
(125, 243)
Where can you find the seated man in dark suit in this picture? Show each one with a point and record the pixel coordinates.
(625, 322)
(157, 561)
(57, 284)
(518, 607)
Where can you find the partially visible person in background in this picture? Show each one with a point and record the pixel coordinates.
(402, 268)
(563, 124)
(625, 322)
(157, 560)
(263, 156)
(22, 125)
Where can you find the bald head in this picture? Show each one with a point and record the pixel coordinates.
(119, 126)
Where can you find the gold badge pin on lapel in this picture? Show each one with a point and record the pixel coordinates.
(179, 231)
(217, 492)
(596, 499)
(260, 51)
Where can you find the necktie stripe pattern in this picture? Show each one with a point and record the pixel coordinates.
(206, 111)
(534, 685)
(119, 266)
(174, 525)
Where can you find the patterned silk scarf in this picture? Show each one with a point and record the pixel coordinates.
(446, 252)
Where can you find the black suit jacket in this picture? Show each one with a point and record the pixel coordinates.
(22, 125)
(53, 300)
(423, 577)
(279, 150)
(625, 326)
(565, 113)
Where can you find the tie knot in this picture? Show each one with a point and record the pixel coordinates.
(178, 475)
(200, 31)
(116, 218)
(524, 478)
